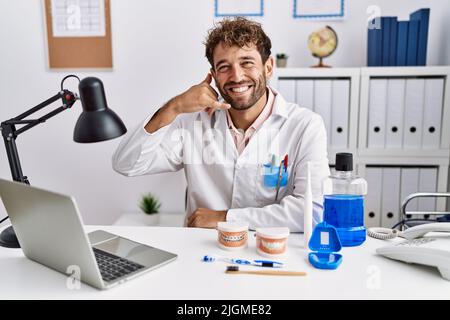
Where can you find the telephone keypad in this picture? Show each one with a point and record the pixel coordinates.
(416, 242)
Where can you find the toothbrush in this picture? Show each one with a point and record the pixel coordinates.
(235, 270)
(259, 263)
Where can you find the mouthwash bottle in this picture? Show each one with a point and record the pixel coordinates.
(344, 201)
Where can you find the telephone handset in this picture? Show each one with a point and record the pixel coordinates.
(410, 233)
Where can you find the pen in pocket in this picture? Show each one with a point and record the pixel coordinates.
(280, 175)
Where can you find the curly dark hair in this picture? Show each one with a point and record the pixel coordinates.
(239, 32)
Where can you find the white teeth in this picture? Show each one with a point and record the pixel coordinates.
(272, 245)
(233, 238)
(240, 89)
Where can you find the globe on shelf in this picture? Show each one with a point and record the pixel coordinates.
(322, 43)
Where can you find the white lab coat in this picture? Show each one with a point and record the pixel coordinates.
(218, 178)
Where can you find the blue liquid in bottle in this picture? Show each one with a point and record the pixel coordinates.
(344, 202)
(346, 213)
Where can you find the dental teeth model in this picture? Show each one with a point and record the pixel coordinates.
(271, 242)
(232, 235)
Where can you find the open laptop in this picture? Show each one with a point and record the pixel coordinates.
(50, 231)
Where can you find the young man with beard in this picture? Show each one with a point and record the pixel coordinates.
(226, 144)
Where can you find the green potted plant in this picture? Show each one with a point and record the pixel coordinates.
(281, 60)
(149, 204)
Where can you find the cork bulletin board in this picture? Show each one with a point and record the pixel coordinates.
(78, 33)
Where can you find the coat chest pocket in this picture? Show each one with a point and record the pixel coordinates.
(267, 178)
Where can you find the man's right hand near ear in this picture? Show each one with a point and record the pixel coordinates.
(197, 98)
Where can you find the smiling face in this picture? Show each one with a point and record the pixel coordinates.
(240, 74)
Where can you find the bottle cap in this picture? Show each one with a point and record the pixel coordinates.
(344, 161)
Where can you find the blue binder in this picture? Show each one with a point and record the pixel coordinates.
(423, 16)
(386, 36)
(374, 45)
(393, 41)
(413, 37)
(402, 42)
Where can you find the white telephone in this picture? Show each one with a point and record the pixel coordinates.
(431, 251)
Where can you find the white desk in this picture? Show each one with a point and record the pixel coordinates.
(362, 275)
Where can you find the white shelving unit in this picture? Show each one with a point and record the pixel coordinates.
(406, 73)
(293, 75)
(388, 154)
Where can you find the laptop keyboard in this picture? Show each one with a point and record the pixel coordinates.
(113, 267)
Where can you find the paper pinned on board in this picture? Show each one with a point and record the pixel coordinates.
(239, 8)
(319, 9)
(78, 18)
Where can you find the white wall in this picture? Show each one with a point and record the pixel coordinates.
(157, 53)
